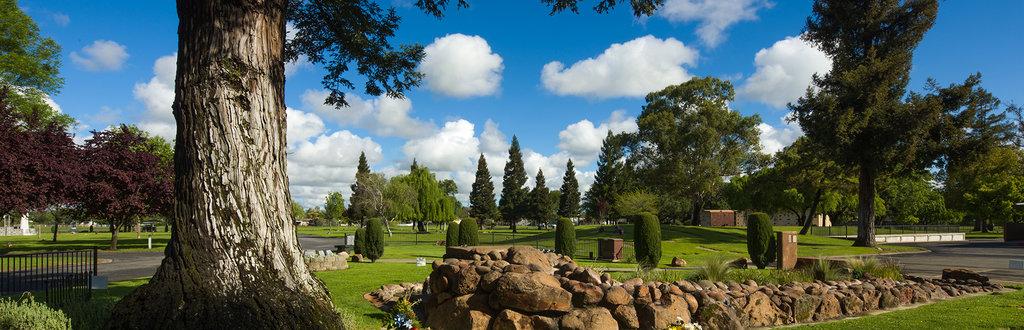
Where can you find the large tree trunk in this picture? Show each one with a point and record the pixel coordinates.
(811, 215)
(233, 261)
(56, 227)
(866, 207)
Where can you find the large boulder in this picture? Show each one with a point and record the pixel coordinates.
(852, 305)
(584, 294)
(527, 256)
(463, 282)
(961, 274)
(589, 318)
(626, 316)
(761, 312)
(678, 262)
(511, 320)
(671, 310)
(616, 295)
(828, 309)
(531, 293)
(804, 307)
(715, 315)
(463, 312)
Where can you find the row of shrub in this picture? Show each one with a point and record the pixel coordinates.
(369, 240)
(464, 233)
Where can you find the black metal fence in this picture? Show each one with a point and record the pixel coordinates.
(851, 231)
(61, 276)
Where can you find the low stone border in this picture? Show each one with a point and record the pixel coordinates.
(318, 261)
(523, 288)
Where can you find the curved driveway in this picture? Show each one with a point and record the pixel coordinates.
(989, 257)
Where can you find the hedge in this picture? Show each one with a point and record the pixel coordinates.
(760, 239)
(469, 232)
(565, 237)
(647, 239)
(374, 239)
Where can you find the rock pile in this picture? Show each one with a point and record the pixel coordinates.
(317, 261)
(524, 288)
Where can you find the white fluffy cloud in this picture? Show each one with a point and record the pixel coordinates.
(326, 163)
(582, 140)
(461, 66)
(158, 96)
(61, 19)
(302, 126)
(774, 139)
(633, 68)
(101, 55)
(784, 71)
(452, 148)
(713, 16)
(384, 116)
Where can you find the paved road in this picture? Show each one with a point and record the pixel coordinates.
(136, 264)
(989, 257)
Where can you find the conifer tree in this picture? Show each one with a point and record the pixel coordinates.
(539, 205)
(481, 199)
(569, 200)
(601, 196)
(513, 194)
(356, 212)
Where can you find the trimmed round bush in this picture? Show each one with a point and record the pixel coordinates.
(469, 232)
(565, 237)
(360, 241)
(31, 315)
(374, 239)
(451, 237)
(760, 239)
(647, 239)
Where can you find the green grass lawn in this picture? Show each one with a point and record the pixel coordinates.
(691, 243)
(86, 240)
(348, 286)
(994, 311)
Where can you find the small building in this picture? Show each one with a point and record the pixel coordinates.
(721, 218)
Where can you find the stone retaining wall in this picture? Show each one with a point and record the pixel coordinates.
(523, 288)
(317, 261)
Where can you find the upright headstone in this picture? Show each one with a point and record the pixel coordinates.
(609, 249)
(25, 228)
(786, 245)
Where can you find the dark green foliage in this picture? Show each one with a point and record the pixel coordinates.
(29, 63)
(569, 200)
(360, 241)
(760, 239)
(647, 239)
(469, 232)
(565, 237)
(481, 198)
(374, 239)
(513, 194)
(358, 204)
(29, 314)
(608, 183)
(689, 139)
(451, 236)
(540, 207)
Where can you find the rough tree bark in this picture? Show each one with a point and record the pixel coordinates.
(866, 207)
(233, 261)
(113, 235)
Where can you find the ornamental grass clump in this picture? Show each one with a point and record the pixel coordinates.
(717, 268)
(565, 237)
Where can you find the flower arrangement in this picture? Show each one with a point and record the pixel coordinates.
(402, 315)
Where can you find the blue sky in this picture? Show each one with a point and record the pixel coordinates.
(490, 74)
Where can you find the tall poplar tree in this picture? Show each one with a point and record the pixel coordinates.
(481, 199)
(856, 112)
(513, 194)
(607, 185)
(569, 200)
(231, 215)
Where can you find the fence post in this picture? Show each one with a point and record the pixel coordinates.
(94, 269)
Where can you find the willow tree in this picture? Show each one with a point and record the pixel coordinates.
(233, 260)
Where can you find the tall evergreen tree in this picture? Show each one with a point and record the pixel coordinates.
(856, 112)
(540, 206)
(569, 200)
(513, 194)
(357, 210)
(607, 185)
(481, 199)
